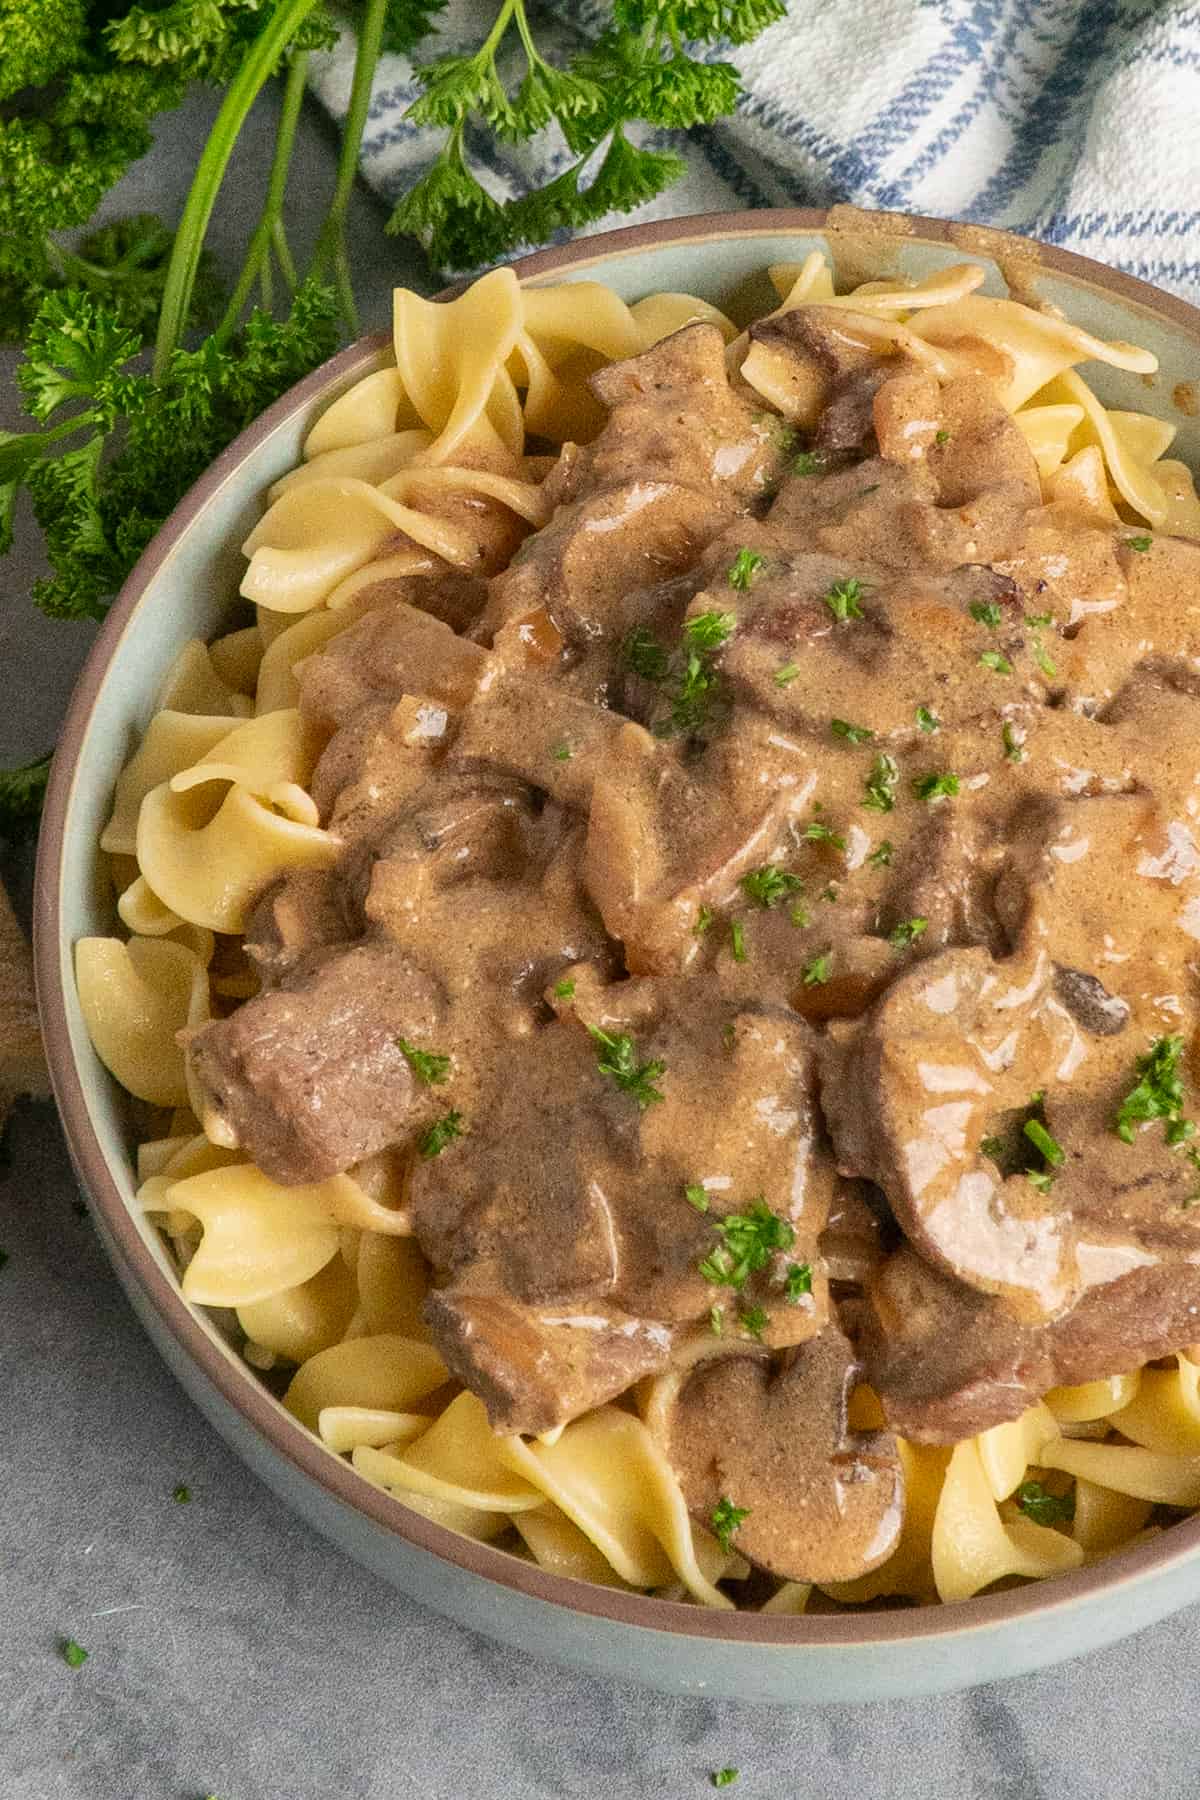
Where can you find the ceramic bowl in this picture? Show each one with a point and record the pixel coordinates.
(184, 586)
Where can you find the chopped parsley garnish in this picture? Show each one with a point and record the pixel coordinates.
(816, 973)
(881, 856)
(798, 1283)
(74, 1655)
(565, 989)
(906, 932)
(769, 885)
(992, 659)
(986, 612)
(695, 1195)
(724, 1777)
(818, 832)
(928, 721)
(1159, 1092)
(726, 1518)
(808, 462)
(562, 753)
(829, 893)
(1041, 1140)
(800, 915)
(1043, 660)
(645, 655)
(1139, 543)
(182, 1494)
(844, 599)
(709, 630)
(1043, 1507)
(853, 734)
(935, 787)
(617, 1059)
(716, 1320)
(993, 1147)
(744, 568)
(941, 437)
(1012, 745)
(1041, 1179)
(443, 1131)
(737, 940)
(1036, 621)
(704, 918)
(754, 1320)
(749, 1237)
(881, 783)
(786, 674)
(429, 1067)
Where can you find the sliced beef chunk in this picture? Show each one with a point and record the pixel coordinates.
(394, 651)
(821, 1502)
(536, 1367)
(948, 1362)
(300, 913)
(309, 1078)
(541, 732)
(383, 754)
(568, 1193)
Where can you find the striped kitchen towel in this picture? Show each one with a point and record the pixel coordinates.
(1076, 121)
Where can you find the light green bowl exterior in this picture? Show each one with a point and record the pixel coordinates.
(185, 587)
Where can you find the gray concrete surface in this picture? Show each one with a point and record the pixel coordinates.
(232, 1653)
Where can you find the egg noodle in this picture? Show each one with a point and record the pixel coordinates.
(424, 466)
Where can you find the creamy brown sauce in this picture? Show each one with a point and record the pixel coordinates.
(897, 859)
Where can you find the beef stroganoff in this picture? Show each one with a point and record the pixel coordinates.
(660, 967)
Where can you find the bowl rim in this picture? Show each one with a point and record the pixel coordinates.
(239, 1387)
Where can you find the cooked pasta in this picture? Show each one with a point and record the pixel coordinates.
(418, 487)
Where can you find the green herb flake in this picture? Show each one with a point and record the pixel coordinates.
(1044, 661)
(737, 941)
(753, 1321)
(992, 659)
(818, 832)
(443, 1131)
(769, 885)
(941, 437)
(881, 856)
(797, 1283)
(928, 721)
(643, 653)
(881, 784)
(829, 893)
(808, 462)
(709, 630)
(617, 1058)
(844, 599)
(744, 568)
(987, 613)
(704, 918)
(726, 1520)
(785, 675)
(562, 753)
(73, 1654)
(853, 734)
(993, 1147)
(695, 1195)
(1159, 1091)
(1139, 543)
(429, 1066)
(1041, 1140)
(724, 1777)
(1043, 1507)
(800, 915)
(931, 788)
(1037, 621)
(182, 1494)
(565, 989)
(1041, 1179)
(816, 973)
(906, 932)
(748, 1241)
(1013, 745)
(716, 1320)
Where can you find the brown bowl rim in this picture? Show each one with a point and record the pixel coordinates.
(286, 1437)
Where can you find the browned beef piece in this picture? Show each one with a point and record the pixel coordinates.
(541, 732)
(568, 1198)
(309, 1078)
(301, 912)
(534, 1367)
(822, 1502)
(395, 650)
(948, 1362)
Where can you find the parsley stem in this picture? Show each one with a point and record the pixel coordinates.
(242, 92)
(331, 243)
(268, 233)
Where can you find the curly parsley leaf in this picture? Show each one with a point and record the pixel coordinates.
(617, 1058)
(1159, 1091)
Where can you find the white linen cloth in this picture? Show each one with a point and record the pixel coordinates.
(1075, 121)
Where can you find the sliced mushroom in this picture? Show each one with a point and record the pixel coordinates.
(821, 1502)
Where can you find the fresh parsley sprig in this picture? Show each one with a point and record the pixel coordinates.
(617, 1058)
